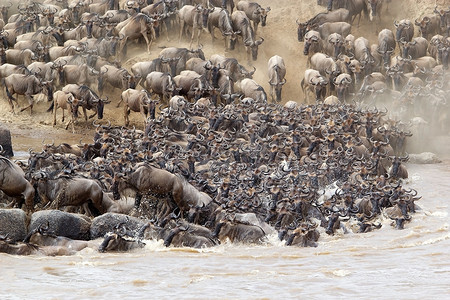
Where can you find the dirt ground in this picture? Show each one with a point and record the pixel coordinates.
(280, 37)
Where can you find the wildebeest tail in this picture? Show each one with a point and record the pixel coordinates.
(8, 93)
(51, 107)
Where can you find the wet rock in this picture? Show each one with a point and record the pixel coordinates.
(106, 223)
(5, 141)
(74, 226)
(13, 224)
(424, 158)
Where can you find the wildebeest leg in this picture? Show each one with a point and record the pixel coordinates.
(10, 98)
(149, 42)
(85, 114)
(181, 30)
(126, 113)
(30, 104)
(137, 200)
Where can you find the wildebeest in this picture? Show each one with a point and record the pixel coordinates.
(14, 184)
(242, 24)
(30, 249)
(343, 86)
(161, 84)
(143, 68)
(20, 57)
(314, 82)
(195, 17)
(192, 84)
(277, 73)
(235, 70)
(405, 31)
(182, 54)
(386, 45)
(221, 19)
(254, 12)
(253, 90)
(374, 8)
(90, 100)
(239, 232)
(313, 44)
(326, 66)
(146, 179)
(65, 101)
(138, 26)
(137, 101)
(61, 191)
(117, 77)
(415, 49)
(429, 25)
(27, 85)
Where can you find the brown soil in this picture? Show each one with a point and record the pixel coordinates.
(280, 38)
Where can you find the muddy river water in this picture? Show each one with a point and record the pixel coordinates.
(412, 263)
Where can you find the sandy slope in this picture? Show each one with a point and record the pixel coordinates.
(280, 38)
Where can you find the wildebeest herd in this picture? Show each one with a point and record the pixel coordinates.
(215, 163)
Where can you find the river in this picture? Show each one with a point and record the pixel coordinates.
(413, 263)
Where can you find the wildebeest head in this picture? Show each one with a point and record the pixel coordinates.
(172, 63)
(386, 56)
(302, 29)
(403, 30)
(262, 14)
(342, 84)
(423, 25)
(100, 105)
(254, 47)
(205, 15)
(319, 84)
(336, 40)
(443, 53)
(4, 10)
(373, 4)
(233, 38)
(74, 105)
(310, 39)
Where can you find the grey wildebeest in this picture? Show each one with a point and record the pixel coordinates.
(240, 232)
(78, 74)
(89, 99)
(315, 83)
(415, 49)
(404, 31)
(62, 191)
(31, 249)
(374, 8)
(118, 78)
(137, 101)
(334, 45)
(343, 85)
(327, 68)
(253, 90)
(325, 29)
(195, 17)
(143, 68)
(183, 55)
(429, 25)
(138, 26)
(147, 179)
(192, 84)
(27, 85)
(338, 15)
(386, 46)
(20, 57)
(242, 24)
(313, 44)
(65, 101)
(161, 84)
(277, 73)
(220, 18)
(235, 70)
(14, 184)
(254, 12)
